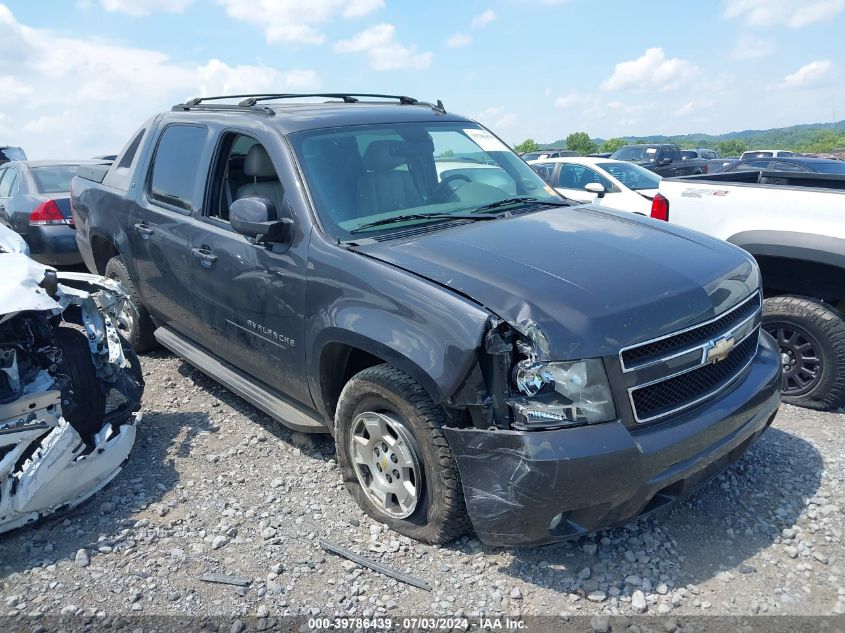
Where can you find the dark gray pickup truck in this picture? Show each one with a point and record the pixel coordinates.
(484, 353)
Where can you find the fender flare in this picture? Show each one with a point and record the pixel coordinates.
(793, 245)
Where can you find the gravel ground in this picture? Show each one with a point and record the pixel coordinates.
(214, 486)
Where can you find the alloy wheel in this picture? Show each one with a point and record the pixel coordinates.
(385, 459)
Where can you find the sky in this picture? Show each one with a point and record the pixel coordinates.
(78, 76)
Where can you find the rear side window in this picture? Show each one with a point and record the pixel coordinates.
(131, 150)
(176, 165)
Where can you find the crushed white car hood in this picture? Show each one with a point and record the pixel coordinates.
(19, 289)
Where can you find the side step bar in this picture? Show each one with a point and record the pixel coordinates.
(290, 415)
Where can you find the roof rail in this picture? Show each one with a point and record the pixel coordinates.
(251, 100)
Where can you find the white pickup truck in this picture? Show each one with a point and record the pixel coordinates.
(794, 225)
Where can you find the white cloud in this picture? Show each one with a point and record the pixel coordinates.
(808, 74)
(752, 47)
(383, 50)
(496, 118)
(13, 88)
(217, 77)
(458, 40)
(294, 21)
(106, 89)
(145, 7)
(652, 71)
(566, 101)
(695, 107)
(483, 19)
(791, 13)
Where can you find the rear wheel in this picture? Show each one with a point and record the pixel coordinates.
(395, 459)
(811, 339)
(135, 323)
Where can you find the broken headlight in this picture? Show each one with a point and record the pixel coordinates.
(562, 394)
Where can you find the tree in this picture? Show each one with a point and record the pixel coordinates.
(613, 144)
(732, 147)
(528, 145)
(581, 143)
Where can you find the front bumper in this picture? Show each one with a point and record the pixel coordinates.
(53, 245)
(516, 483)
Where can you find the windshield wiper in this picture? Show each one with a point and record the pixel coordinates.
(520, 200)
(420, 216)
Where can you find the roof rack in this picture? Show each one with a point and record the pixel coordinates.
(252, 100)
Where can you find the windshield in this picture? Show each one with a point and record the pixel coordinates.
(632, 176)
(635, 152)
(828, 167)
(54, 179)
(365, 174)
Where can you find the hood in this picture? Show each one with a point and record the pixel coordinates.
(11, 242)
(19, 286)
(592, 280)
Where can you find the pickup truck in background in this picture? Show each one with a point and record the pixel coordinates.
(792, 223)
(663, 159)
(485, 353)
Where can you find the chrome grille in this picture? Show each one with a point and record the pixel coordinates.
(693, 386)
(732, 338)
(645, 353)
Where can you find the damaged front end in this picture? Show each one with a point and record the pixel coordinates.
(70, 389)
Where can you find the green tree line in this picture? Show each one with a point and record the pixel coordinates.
(817, 138)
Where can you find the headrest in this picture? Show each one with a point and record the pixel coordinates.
(258, 164)
(382, 156)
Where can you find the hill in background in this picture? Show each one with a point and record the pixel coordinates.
(810, 137)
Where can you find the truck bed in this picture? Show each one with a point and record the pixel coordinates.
(769, 178)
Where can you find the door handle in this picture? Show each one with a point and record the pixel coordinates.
(144, 230)
(204, 256)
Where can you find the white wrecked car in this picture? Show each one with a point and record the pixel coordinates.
(70, 388)
(11, 242)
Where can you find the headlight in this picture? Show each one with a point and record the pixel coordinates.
(562, 394)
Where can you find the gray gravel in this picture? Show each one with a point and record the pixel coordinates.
(215, 487)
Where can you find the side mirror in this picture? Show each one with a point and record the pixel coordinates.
(251, 217)
(596, 188)
(665, 161)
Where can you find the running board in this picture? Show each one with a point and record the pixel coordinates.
(239, 383)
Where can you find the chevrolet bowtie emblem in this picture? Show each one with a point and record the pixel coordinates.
(719, 349)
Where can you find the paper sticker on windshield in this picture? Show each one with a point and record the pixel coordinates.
(486, 141)
(651, 150)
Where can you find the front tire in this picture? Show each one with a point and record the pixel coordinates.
(811, 338)
(136, 325)
(87, 415)
(394, 457)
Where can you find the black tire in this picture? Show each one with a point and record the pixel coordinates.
(440, 515)
(88, 410)
(140, 332)
(812, 335)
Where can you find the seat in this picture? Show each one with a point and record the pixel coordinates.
(382, 187)
(568, 178)
(257, 164)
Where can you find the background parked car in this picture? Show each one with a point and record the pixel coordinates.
(797, 163)
(35, 203)
(548, 153)
(663, 159)
(766, 153)
(627, 187)
(703, 154)
(8, 153)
